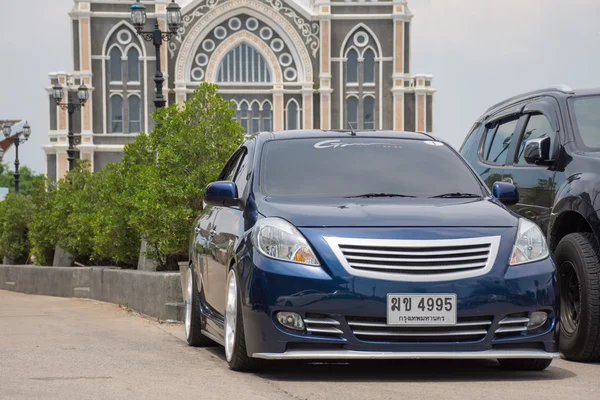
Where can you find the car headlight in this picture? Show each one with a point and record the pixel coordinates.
(530, 244)
(276, 238)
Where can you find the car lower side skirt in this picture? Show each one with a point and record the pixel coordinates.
(378, 355)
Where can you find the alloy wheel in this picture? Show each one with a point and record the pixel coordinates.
(570, 298)
(188, 303)
(230, 316)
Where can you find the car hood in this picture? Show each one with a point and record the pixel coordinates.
(388, 212)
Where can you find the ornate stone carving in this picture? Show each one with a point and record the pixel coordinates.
(309, 30)
(273, 10)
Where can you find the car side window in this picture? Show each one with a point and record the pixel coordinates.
(497, 141)
(228, 172)
(241, 179)
(537, 127)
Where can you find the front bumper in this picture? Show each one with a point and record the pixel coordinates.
(406, 355)
(330, 294)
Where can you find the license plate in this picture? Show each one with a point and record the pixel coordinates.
(421, 309)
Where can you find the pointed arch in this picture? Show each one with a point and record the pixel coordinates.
(254, 8)
(135, 40)
(378, 66)
(253, 41)
(133, 33)
(243, 64)
(355, 28)
(292, 114)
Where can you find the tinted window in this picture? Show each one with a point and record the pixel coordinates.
(228, 172)
(470, 142)
(586, 117)
(537, 127)
(498, 140)
(330, 167)
(241, 179)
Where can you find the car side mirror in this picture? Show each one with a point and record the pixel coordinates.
(537, 150)
(222, 194)
(506, 192)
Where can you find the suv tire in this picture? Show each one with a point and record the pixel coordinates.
(578, 260)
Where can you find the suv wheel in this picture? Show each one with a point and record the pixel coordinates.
(578, 259)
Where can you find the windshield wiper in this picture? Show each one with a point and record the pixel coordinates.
(457, 195)
(368, 195)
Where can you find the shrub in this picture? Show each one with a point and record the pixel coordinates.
(166, 171)
(16, 213)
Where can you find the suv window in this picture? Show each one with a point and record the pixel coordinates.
(586, 116)
(354, 166)
(228, 172)
(470, 142)
(537, 127)
(497, 141)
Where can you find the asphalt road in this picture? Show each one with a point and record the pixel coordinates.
(55, 348)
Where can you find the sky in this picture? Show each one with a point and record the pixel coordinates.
(479, 52)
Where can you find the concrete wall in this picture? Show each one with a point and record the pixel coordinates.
(156, 294)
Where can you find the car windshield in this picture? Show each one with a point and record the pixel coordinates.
(364, 167)
(586, 116)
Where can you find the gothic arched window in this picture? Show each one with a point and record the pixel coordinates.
(352, 112)
(135, 114)
(352, 66)
(267, 117)
(368, 112)
(133, 65)
(116, 114)
(369, 67)
(243, 64)
(115, 65)
(292, 111)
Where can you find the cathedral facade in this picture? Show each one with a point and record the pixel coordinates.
(285, 64)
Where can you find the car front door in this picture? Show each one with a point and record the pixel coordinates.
(203, 227)
(536, 182)
(213, 276)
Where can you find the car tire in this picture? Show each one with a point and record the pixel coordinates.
(237, 357)
(193, 320)
(525, 364)
(578, 259)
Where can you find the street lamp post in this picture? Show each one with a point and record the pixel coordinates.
(156, 36)
(82, 94)
(19, 138)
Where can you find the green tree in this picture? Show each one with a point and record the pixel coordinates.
(16, 212)
(114, 236)
(28, 182)
(42, 232)
(166, 171)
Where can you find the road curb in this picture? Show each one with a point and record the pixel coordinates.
(156, 294)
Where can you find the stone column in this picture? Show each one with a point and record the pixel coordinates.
(307, 106)
(325, 64)
(278, 108)
(400, 15)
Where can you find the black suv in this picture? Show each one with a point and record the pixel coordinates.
(547, 143)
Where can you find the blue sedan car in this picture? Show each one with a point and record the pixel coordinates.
(322, 245)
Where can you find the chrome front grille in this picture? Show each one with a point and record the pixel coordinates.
(321, 325)
(467, 329)
(416, 260)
